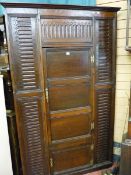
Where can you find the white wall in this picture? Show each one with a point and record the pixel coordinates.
(5, 157)
(123, 72)
(123, 69)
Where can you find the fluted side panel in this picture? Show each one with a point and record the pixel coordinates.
(104, 50)
(31, 126)
(103, 98)
(25, 52)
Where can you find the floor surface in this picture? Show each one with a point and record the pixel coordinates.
(94, 173)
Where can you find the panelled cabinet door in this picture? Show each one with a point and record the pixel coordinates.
(104, 88)
(27, 86)
(68, 80)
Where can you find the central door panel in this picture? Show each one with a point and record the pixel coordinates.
(70, 158)
(68, 81)
(68, 63)
(71, 124)
(66, 95)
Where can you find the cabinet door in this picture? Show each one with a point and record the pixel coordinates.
(69, 101)
(104, 88)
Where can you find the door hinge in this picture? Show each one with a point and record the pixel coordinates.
(92, 125)
(92, 147)
(47, 95)
(51, 162)
(92, 162)
(92, 59)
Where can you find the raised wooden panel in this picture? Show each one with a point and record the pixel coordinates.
(104, 115)
(63, 96)
(72, 158)
(104, 50)
(70, 125)
(71, 143)
(24, 54)
(30, 118)
(66, 30)
(60, 63)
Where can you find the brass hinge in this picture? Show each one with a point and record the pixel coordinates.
(92, 147)
(92, 59)
(92, 162)
(47, 95)
(92, 125)
(51, 162)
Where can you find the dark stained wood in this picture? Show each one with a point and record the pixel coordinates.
(63, 73)
(68, 74)
(27, 88)
(104, 52)
(56, 6)
(67, 13)
(28, 110)
(64, 96)
(71, 126)
(61, 64)
(70, 158)
(14, 143)
(103, 99)
(55, 30)
(71, 143)
(129, 129)
(24, 62)
(71, 111)
(104, 87)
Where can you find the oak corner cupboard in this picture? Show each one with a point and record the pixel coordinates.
(62, 61)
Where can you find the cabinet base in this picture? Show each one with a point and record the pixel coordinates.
(85, 169)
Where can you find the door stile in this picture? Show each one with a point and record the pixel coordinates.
(45, 109)
(46, 93)
(92, 57)
(93, 68)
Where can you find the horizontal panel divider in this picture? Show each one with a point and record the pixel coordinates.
(67, 45)
(104, 86)
(73, 110)
(69, 78)
(71, 139)
(72, 148)
(29, 93)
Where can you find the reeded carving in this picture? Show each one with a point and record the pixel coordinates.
(103, 101)
(104, 50)
(23, 36)
(32, 131)
(66, 30)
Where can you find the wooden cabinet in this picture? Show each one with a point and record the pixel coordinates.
(62, 61)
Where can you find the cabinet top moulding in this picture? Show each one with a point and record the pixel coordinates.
(59, 6)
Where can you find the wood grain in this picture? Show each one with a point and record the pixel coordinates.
(62, 61)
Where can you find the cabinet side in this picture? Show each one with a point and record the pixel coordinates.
(28, 88)
(105, 52)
